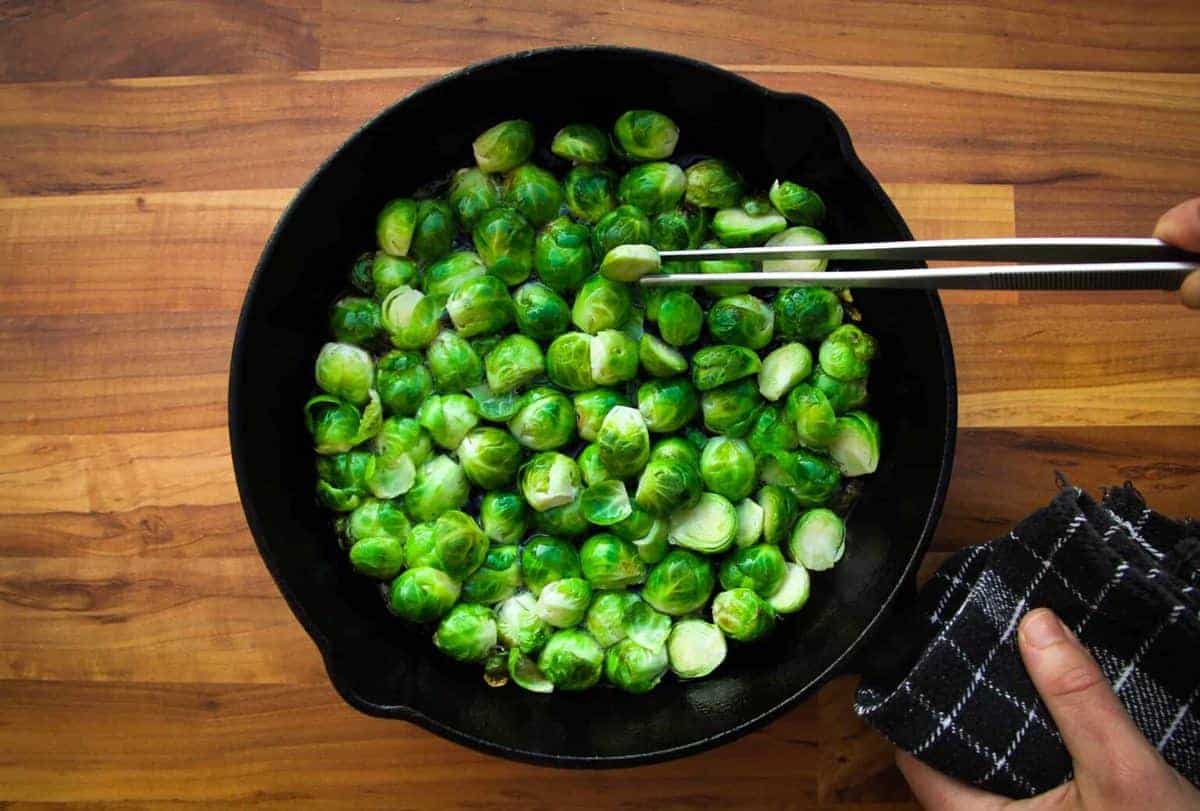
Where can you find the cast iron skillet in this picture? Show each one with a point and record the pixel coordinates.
(386, 668)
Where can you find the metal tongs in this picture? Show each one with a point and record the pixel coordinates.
(1071, 263)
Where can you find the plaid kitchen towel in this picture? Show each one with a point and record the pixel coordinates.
(949, 686)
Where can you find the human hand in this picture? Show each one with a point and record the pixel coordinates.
(1181, 227)
(1115, 767)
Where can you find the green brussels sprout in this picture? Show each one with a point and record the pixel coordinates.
(402, 436)
(624, 225)
(454, 543)
(337, 426)
(653, 187)
(451, 272)
(545, 420)
(645, 626)
(440, 485)
(713, 183)
(772, 431)
(634, 668)
(480, 306)
(562, 255)
(534, 192)
(472, 192)
(591, 466)
(572, 660)
(652, 300)
(355, 320)
(360, 272)
(601, 304)
(818, 540)
(610, 562)
(394, 226)
(504, 146)
(812, 479)
(680, 584)
(378, 518)
(756, 206)
(389, 272)
(728, 468)
(799, 204)
(525, 673)
(724, 266)
(780, 510)
(667, 484)
(422, 546)
(668, 405)
(659, 358)
(806, 313)
(541, 313)
(605, 618)
(490, 457)
(613, 357)
(591, 192)
(652, 546)
(566, 520)
(546, 559)
(633, 526)
(448, 418)
(855, 444)
(846, 353)
(743, 615)
(605, 503)
(342, 479)
(422, 594)
(580, 143)
(644, 135)
(504, 240)
(410, 317)
(797, 237)
(453, 362)
(695, 648)
(679, 449)
(492, 406)
(393, 477)
(504, 516)
(750, 523)
(783, 369)
(345, 371)
(381, 558)
(550, 480)
(843, 395)
(591, 407)
(714, 366)
(793, 594)
(678, 229)
(519, 627)
(563, 603)
(569, 361)
(403, 382)
(734, 228)
(628, 263)
(731, 409)
(709, 526)
(810, 413)
(434, 231)
(760, 568)
(467, 633)
(624, 441)
(743, 320)
(516, 361)
(680, 318)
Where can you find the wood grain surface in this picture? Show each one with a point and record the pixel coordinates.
(146, 658)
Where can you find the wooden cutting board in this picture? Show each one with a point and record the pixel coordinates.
(146, 150)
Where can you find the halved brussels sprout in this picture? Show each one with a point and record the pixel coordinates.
(653, 187)
(797, 236)
(492, 406)
(591, 192)
(504, 516)
(519, 627)
(591, 407)
(422, 594)
(389, 272)
(709, 527)
(724, 266)
(566, 520)
(605, 618)
(628, 263)
(355, 320)
(855, 444)
(393, 477)
(467, 633)
(750, 523)
(450, 272)
(345, 371)
(783, 369)
(624, 225)
(846, 353)
(472, 192)
(403, 382)
(680, 584)
(435, 230)
(667, 484)
(634, 668)
(402, 436)
(806, 313)
(728, 468)
(606, 503)
(515, 362)
(601, 304)
(652, 546)
(799, 204)
(743, 615)
(410, 317)
(812, 479)
(504, 146)
(453, 361)
(572, 660)
(760, 568)
(793, 594)
(546, 559)
(668, 405)
(394, 226)
(481, 306)
(562, 255)
(525, 673)
(633, 526)
(744, 320)
(490, 457)
(545, 420)
(810, 412)
(591, 466)
(660, 358)
(613, 357)
(695, 648)
(734, 228)
(504, 240)
(645, 135)
(550, 480)
(714, 366)
(448, 418)
(624, 441)
(680, 319)
(610, 562)
(381, 557)
(569, 361)
(713, 183)
(541, 313)
(780, 510)
(563, 603)
(534, 192)
(843, 395)
(580, 143)
(818, 540)
(773, 431)
(645, 626)
(337, 426)
(731, 409)
(440, 485)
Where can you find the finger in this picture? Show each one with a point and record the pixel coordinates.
(937, 792)
(1181, 225)
(1190, 291)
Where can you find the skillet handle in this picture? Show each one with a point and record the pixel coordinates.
(894, 639)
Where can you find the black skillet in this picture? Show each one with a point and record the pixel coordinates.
(386, 668)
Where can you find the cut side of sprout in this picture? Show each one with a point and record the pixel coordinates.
(855, 444)
(695, 648)
(628, 263)
(525, 673)
(783, 369)
(708, 527)
(793, 594)
(397, 309)
(819, 540)
(750, 522)
(795, 236)
(394, 477)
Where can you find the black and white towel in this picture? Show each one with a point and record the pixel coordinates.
(949, 686)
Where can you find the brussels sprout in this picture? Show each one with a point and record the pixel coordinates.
(846, 353)
(760, 568)
(355, 320)
(592, 468)
(504, 240)
(389, 272)
(525, 673)
(360, 272)
(634, 668)
(572, 660)
(467, 633)
(563, 603)
(516, 361)
(855, 444)
(505, 517)
(668, 405)
(566, 520)
(610, 562)
(346, 372)
(546, 559)
(472, 192)
(534, 192)
(410, 318)
(394, 226)
(451, 272)
(714, 366)
(724, 266)
(628, 263)
(490, 457)
(680, 449)
(545, 420)
(381, 557)
(454, 543)
(667, 484)
(799, 204)
(798, 236)
(605, 503)
(402, 436)
(633, 526)
(601, 304)
(541, 313)
(624, 225)
(709, 526)
(734, 228)
(421, 549)
(809, 411)
(376, 518)
(680, 584)
(453, 362)
(480, 306)
(550, 480)
(434, 232)
(713, 183)
(653, 187)
(678, 229)
(750, 523)
(337, 426)
(624, 441)
(605, 618)
(743, 615)
(680, 318)
(652, 546)
(342, 479)
(843, 395)
(780, 510)
(783, 369)
(393, 477)
(580, 143)
(806, 313)
(812, 479)
(563, 255)
(695, 648)
(448, 418)
(591, 407)
(504, 146)
(422, 594)
(793, 594)
(644, 135)
(612, 357)
(569, 361)
(492, 406)
(403, 382)
(660, 358)
(732, 409)
(518, 625)
(743, 320)
(440, 485)
(591, 192)
(772, 431)
(728, 468)
(645, 626)
(818, 540)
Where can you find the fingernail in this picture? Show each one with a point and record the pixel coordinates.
(1041, 629)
